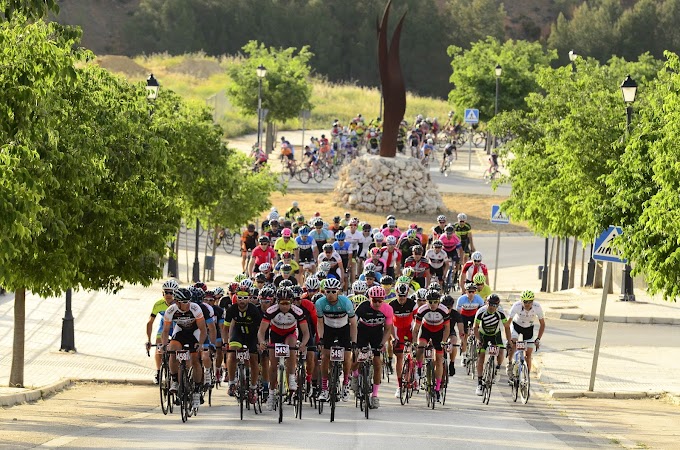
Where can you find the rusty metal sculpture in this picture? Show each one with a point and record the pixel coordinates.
(392, 81)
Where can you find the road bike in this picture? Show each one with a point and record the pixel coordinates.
(225, 238)
(244, 395)
(491, 173)
(408, 374)
(185, 388)
(299, 395)
(365, 383)
(386, 367)
(520, 379)
(208, 388)
(489, 372)
(167, 397)
(445, 374)
(471, 356)
(282, 352)
(446, 165)
(430, 394)
(337, 357)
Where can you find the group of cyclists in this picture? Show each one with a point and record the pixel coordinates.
(316, 285)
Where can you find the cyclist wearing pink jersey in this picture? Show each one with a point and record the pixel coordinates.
(391, 229)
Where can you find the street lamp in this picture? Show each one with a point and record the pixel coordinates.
(261, 73)
(152, 87)
(499, 70)
(629, 90)
(196, 271)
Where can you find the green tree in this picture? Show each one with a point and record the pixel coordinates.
(474, 78)
(33, 9)
(474, 20)
(286, 89)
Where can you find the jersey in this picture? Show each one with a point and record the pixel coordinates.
(285, 246)
(279, 279)
(247, 321)
(390, 257)
(437, 259)
(490, 323)
(379, 264)
(405, 249)
(364, 244)
(485, 291)
(354, 239)
(524, 318)
(433, 321)
(344, 250)
(321, 237)
(185, 320)
(159, 309)
(419, 267)
(451, 243)
(263, 256)
(470, 270)
(309, 310)
(403, 314)
(463, 231)
(467, 307)
(335, 315)
(306, 250)
(368, 316)
(393, 232)
(283, 323)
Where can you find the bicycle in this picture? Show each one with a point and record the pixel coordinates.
(282, 352)
(489, 372)
(471, 356)
(445, 374)
(408, 374)
(208, 388)
(491, 173)
(185, 386)
(167, 397)
(337, 357)
(243, 379)
(430, 395)
(448, 160)
(301, 392)
(520, 379)
(225, 238)
(386, 367)
(365, 386)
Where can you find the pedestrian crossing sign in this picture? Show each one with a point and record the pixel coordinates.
(498, 216)
(471, 116)
(603, 250)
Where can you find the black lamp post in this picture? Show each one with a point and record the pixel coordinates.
(499, 71)
(572, 59)
(261, 73)
(68, 341)
(629, 90)
(196, 272)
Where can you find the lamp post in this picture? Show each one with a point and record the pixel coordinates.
(197, 268)
(565, 271)
(629, 90)
(261, 72)
(68, 343)
(572, 59)
(546, 270)
(499, 70)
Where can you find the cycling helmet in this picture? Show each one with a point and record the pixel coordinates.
(286, 232)
(437, 243)
(391, 223)
(240, 277)
(527, 296)
(462, 216)
(449, 229)
(197, 294)
(479, 278)
(295, 204)
(470, 287)
(320, 275)
(333, 284)
(411, 233)
(441, 218)
(323, 136)
(304, 231)
(404, 280)
(376, 292)
(201, 285)
(286, 255)
(366, 227)
(477, 256)
(284, 293)
(233, 287)
(417, 249)
(421, 294)
(312, 284)
(493, 299)
(260, 277)
(209, 295)
(375, 251)
(447, 301)
(359, 298)
(327, 247)
(401, 289)
(432, 295)
(336, 219)
(408, 272)
(340, 236)
(274, 215)
(316, 297)
(267, 292)
(369, 267)
(369, 274)
(387, 280)
(182, 295)
(379, 237)
(391, 240)
(265, 267)
(390, 217)
(218, 291)
(434, 286)
(354, 221)
(318, 223)
(170, 285)
(274, 222)
(286, 268)
(245, 285)
(359, 287)
(263, 240)
(325, 267)
(273, 208)
(285, 283)
(300, 218)
(430, 141)
(297, 292)
(254, 292)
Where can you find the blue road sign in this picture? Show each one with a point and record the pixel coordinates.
(603, 251)
(471, 116)
(498, 216)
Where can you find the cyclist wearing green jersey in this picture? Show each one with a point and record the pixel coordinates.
(483, 289)
(169, 288)
(464, 231)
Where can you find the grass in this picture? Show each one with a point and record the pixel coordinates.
(329, 100)
(477, 208)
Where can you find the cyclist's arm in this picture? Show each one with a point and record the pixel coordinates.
(508, 335)
(251, 265)
(476, 331)
(319, 327)
(203, 330)
(261, 331)
(472, 244)
(304, 340)
(149, 327)
(166, 332)
(447, 329)
(541, 329)
(212, 332)
(353, 328)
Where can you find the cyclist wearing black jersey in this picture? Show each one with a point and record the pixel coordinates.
(241, 323)
(464, 230)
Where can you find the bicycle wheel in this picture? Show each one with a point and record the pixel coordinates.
(445, 382)
(487, 379)
(404, 382)
(184, 395)
(524, 382)
(228, 242)
(367, 391)
(163, 380)
(303, 175)
(210, 388)
(241, 389)
(279, 395)
(514, 383)
(209, 241)
(300, 393)
(332, 389)
(430, 384)
(318, 175)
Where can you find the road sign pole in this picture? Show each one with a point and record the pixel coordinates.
(470, 151)
(498, 246)
(598, 336)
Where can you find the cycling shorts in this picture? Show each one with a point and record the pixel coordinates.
(187, 337)
(495, 339)
(403, 335)
(240, 340)
(526, 332)
(436, 336)
(341, 334)
(370, 335)
(439, 273)
(467, 322)
(453, 255)
(275, 338)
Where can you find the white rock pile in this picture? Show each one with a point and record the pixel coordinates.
(399, 185)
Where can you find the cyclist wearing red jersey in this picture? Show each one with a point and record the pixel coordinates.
(472, 268)
(262, 254)
(433, 323)
(420, 266)
(404, 309)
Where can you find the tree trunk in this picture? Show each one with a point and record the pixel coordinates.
(550, 270)
(597, 280)
(583, 264)
(556, 266)
(573, 264)
(16, 377)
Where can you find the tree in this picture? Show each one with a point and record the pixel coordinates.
(286, 89)
(32, 9)
(474, 79)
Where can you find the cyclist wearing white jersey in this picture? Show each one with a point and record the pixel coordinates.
(521, 317)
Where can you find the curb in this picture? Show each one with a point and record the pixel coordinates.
(568, 393)
(613, 319)
(51, 389)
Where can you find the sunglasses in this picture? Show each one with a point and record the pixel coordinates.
(479, 284)
(422, 301)
(265, 300)
(331, 291)
(378, 299)
(264, 243)
(432, 302)
(527, 301)
(471, 292)
(495, 305)
(286, 303)
(183, 301)
(442, 221)
(168, 292)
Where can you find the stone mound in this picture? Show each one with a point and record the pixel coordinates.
(121, 64)
(197, 68)
(388, 185)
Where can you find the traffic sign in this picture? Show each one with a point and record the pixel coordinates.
(471, 116)
(603, 251)
(498, 216)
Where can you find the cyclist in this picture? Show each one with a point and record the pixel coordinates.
(293, 211)
(344, 223)
(464, 231)
(211, 300)
(404, 309)
(344, 249)
(488, 324)
(354, 237)
(320, 235)
(408, 272)
(336, 321)
(449, 151)
(262, 254)
(283, 320)
(286, 243)
(286, 274)
(197, 296)
(391, 229)
(456, 322)
(467, 305)
(432, 321)
(299, 223)
(420, 265)
(472, 268)
(405, 245)
(438, 230)
(241, 322)
(249, 241)
(376, 259)
(267, 297)
(159, 308)
(375, 322)
(188, 328)
(521, 317)
(439, 261)
(331, 256)
(483, 289)
(306, 252)
(364, 244)
(392, 257)
(426, 150)
(302, 300)
(359, 289)
(287, 259)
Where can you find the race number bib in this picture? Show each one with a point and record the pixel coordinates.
(337, 353)
(281, 350)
